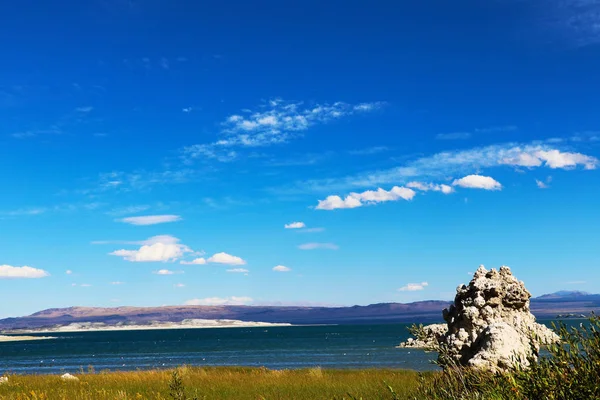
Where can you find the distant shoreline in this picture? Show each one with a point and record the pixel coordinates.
(23, 338)
(186, 324)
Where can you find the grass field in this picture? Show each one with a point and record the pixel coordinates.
(218, 383)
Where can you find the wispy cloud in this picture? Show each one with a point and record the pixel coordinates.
(25, 272)
(577, 20)
(281, 268)
(441, 165)
(463, 135)
(128, 181)
(543, 185)
(497, 129)
(238, 270)
(127, 210)
(295, 225)
(151, 219)
(354, 200)
(196, 261)
(369, 151)
(453, 136)
(311, 230)
(317, 246)
(155, 63)
(220, 301)
(413, 287)
(274, 122)
(426, 187)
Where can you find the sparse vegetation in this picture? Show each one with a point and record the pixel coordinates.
(570, 373)
(188, 383)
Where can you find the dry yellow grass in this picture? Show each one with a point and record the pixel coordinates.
(217, 383)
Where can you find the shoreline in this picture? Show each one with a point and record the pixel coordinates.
(186, 324)
(20, 338)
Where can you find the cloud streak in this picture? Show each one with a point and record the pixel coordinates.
(441, 165)
(150, 219)
(220, 301)
(274, 122)
(318, 246)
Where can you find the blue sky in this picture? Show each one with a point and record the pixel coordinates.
(154, 152)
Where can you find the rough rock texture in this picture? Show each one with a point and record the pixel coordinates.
(428, 337)
(490, 324)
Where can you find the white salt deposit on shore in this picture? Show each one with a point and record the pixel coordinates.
(22, 338)
(185, 324)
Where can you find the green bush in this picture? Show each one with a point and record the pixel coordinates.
(570, 372)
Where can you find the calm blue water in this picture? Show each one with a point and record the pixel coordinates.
(341, 346)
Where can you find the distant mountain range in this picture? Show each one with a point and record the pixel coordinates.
(564, 303)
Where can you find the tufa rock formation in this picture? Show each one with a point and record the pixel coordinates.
(489, 325)
(426, 337)
(68, 377)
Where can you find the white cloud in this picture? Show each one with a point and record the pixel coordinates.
(275, 121)
(441, 165)
(315, 246)
(68, 272)
(167, 272)
(156, 249)
(281, 268)
(238, 270)
(220, 301)
(151, 219)
(552, 159)
(541, 184)
(425, 187)
(85, 285)
(197, 261)
(117, 283)
(295, 225)
(179, 285)
(413, 287)
(478, 182)
(335, 202)
(10, 272)
(224, 258)
(187, 109)
(354, 200)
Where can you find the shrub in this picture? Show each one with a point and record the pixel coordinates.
(570, 372)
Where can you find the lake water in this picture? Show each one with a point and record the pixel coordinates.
(335, 346)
